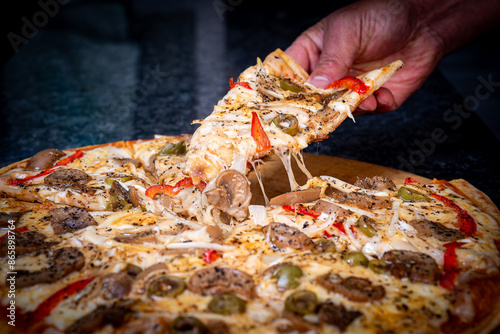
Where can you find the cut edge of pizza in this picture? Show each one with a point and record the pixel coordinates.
(272, 109)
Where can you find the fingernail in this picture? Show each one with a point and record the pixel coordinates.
(319, 81)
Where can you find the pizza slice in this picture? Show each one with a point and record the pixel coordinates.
(272, 109)
(96, 178)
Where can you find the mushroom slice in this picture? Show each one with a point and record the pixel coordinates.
(68, 178)
(134, 197)
(27, 242)
(293, 323)
(44, 159)
(362, 201)
(353, 288)
(282, 236)
(137, 238)
(124, 161)
(116, 285)
(417, 267)
(430, 229)
(215, 232)
(70, 218)
(337, 315)
(122, 198)
(231, 194)
(7, 218)
(98, 318)
(216, 281)
(296, 197)
(329, 207)
(64, 261)
(376, 183)
(151, 325)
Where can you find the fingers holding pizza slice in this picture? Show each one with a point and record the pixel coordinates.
(272, 109)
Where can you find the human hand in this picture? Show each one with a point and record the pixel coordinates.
(367, 35)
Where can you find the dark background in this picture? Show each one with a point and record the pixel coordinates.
(102, 71)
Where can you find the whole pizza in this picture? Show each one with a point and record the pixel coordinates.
(161, 235)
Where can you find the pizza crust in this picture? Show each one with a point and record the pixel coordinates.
(490, 324)
(485, 294)
(479, 198)
(287, 68)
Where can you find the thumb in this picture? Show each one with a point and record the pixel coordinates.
(338, 52)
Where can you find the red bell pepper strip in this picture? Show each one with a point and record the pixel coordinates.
(351, 83)
(19, 229)
(354, 231)
(447, 280)
(258, 133)
(450, 256)
(242, 84)
(172, 191)
(302, 210)
(340, 227)
(211, 255)
(446, 201)
(78, 154)
(409, 180)
(44, 309)
(327, 234)
(467, 224)
(450, 266)
(166, 189)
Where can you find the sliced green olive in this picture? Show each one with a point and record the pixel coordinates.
(364, 225)
(187, 325)
(301, 302)
(173, 149)
(166, 286)
(288, 85)
(323, 245)
(356, 259)
(410, 195)
(116, 204)
(287, 123)
(287, 276)
(110, 180)
(377, 266)
(133, 270)
(227, 304)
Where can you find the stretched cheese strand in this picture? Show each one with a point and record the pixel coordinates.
(287, 163)
(256, 167)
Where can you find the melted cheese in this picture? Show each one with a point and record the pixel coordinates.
(181, 232)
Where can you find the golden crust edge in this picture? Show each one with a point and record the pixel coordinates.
(479, 198)
(491, 324)
(295, 68)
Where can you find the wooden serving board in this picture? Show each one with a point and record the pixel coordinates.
(276, 182)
